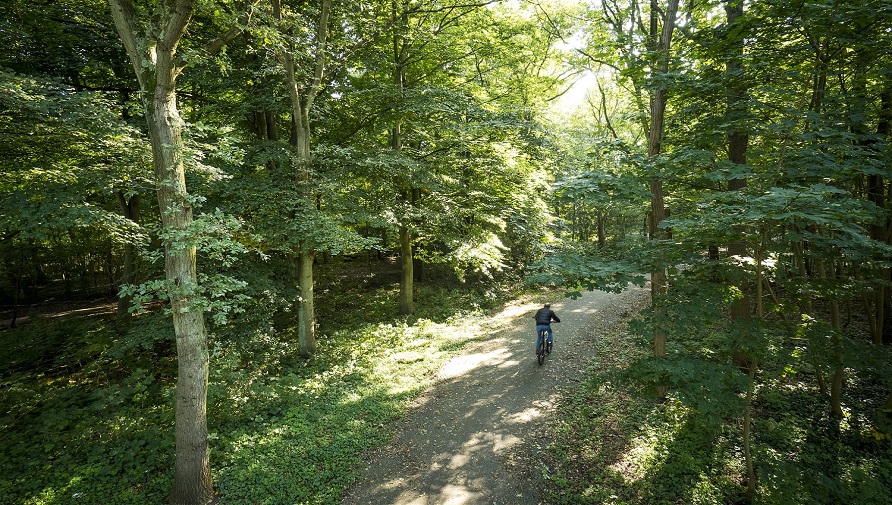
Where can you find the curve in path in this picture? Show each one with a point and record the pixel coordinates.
(454, 447)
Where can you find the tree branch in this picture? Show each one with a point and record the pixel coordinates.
(597, 60)
(452, 7)
(321, 48)
(604, 108)
(124, 17)
(181, 13)
(216, 45)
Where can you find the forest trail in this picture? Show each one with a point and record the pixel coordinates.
(457, 445)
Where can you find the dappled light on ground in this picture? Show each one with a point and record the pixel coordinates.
(512, 311)
(524, 416)
(60, 310)
(490, 398)
(464, 364)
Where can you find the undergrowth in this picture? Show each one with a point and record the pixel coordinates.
(87, 406)
(614, 445)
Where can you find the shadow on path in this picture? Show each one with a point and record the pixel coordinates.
(452, 449)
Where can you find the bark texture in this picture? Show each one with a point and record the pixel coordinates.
(157, 66)
(654, 144)
(301, 103)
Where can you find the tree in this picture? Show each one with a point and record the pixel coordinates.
(302, 98)
(659, 45)
(462, 103)
(66, 153)
(411, 43)
(72, 51)
(796, 197)
(151, 40)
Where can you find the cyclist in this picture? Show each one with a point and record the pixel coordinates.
(544, 317)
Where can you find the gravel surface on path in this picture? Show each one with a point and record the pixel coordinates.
(457, 446)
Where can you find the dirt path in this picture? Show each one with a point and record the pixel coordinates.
(456, 447)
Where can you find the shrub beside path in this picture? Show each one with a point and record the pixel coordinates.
(457, 446)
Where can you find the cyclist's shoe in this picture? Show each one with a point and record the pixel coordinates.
(548, 349)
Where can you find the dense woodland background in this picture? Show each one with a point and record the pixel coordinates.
(334, 182)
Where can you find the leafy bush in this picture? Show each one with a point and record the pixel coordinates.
(617, 445)
(88, 406)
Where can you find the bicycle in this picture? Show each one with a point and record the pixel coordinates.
(542, 346)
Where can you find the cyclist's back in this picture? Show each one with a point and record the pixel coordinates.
(544, 317)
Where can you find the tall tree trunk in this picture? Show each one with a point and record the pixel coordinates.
(152, 48)
(738, 141)
(881, 232)
(654, 144)
(827, 271)
(192, 478)
(407, 304)
(304, 254)
(306, 328)
(884, 308)
(407, 266)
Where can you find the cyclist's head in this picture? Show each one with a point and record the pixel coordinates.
(547, 305)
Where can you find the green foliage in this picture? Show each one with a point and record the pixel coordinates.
(299, 436)
(82, 418)
(372, 291)
(806, 83)
(88, 406)
(614, 445)
(66, 150)
(219, 239)
(66, 158)
(582, 267)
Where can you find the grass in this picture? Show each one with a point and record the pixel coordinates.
(616, 446)
(87, 412)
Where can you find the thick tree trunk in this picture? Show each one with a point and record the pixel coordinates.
(658, 214)
(306, 326)
(658, 286)
(306, 315)
(738, 141)
(192, 478)
(156, 66)
(407, 260)
(303, 271)
(877, 194)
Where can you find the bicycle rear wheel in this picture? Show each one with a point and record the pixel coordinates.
(541, 346)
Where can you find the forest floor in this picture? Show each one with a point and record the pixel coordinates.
(471, 439)
(57, 309)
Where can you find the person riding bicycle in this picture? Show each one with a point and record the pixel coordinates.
(544, 317)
